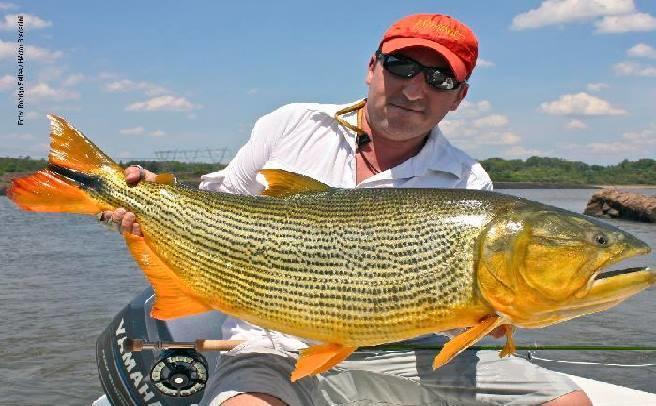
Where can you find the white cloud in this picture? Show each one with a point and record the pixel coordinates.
(132, 131)
(576, 125)
(484, 63)
(73, 79)
(142, 131)
(31, 115)
(566, 11)
(33, 53)
(627, 23)
(632, 144)
(7, 82)
(642, 51)
(642, 137)
(163, 103)
(9, 50)
(492, 120)
(634, 69)
(7, 6)
(126, 85)
(30, 22)
(473, 125)
(469, 109)
(252, 92)
(42, 91)
(580, 104)
(596, 87)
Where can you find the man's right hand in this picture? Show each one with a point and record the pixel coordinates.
(126, 220)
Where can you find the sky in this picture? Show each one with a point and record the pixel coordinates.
(573, 79)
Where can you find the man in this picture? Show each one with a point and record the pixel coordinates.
(391, 139)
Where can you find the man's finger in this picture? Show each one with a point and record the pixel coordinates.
(133, 174)
(127, 222)
(117, 215)
(136, 229)
(106, 215)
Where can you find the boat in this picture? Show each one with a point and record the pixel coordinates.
(172, 377)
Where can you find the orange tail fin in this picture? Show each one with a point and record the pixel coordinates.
(49, 192)
(75, 164)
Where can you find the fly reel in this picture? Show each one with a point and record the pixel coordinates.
(179, 373)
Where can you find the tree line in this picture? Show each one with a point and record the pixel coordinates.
(534, 169)
(556, 170)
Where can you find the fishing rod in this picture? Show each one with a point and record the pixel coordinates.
(137, 345)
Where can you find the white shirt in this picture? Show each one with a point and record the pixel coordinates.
(305, 138)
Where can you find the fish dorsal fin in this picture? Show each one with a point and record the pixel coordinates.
(172, 299)
(281, 183)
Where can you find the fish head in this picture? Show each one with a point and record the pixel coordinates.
(539, 265)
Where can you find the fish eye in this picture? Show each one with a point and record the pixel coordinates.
(600, 239)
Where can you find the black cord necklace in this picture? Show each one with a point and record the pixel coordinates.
(361, 137)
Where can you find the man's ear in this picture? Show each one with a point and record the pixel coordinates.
(370, 70)
(462, 92)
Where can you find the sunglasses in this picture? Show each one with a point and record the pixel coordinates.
(403, 67)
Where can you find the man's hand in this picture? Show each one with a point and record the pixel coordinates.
(121, 217)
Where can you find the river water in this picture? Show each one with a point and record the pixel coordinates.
(63, 278)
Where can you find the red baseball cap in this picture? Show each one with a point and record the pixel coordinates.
(443, 34)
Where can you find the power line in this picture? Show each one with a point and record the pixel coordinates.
(207, 155)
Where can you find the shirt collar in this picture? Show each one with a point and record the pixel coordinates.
(436, 155)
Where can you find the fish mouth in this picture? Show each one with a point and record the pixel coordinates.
(617, 272)
(636, 248)
(608, 289)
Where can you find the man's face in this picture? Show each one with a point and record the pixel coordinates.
(402, 109)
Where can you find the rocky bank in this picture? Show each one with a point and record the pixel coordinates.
(612, 203)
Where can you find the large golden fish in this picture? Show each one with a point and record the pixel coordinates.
(348, 268)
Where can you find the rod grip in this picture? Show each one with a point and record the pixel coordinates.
(217, 345)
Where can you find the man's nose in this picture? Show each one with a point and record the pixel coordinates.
(415, 87)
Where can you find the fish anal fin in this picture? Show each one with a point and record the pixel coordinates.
(172, 299)
(281, 183)
(460, 342)
(45, 191)
(320, 358)
(509, 348)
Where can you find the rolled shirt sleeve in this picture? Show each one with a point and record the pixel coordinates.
(240, 176)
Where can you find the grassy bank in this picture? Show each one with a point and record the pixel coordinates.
(532, 173)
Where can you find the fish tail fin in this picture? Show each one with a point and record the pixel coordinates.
(75, 165)
(46, 191)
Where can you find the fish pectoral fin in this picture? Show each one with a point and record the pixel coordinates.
(171, 298)
(320, 358)
(280, 183)
(460, 342)
(509, 348)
